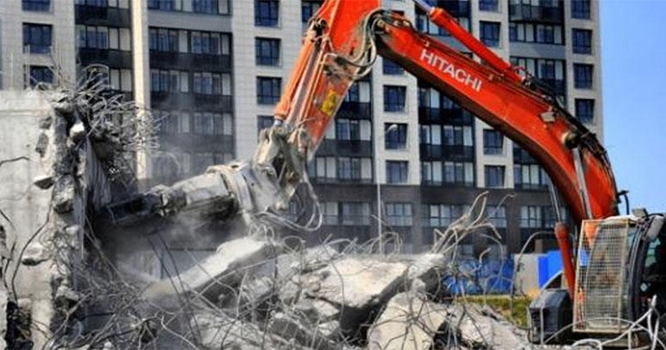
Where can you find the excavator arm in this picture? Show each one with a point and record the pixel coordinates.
(341, 44)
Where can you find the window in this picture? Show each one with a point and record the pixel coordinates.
(550, 217)
(536, 33)
(394, 98)
(37, 38)
(355, 213)
(266, 13)
(585, 110)
(347, 129)
(529, 176)
(494, 176)
(431, 173)
(399, 214)
(207, 83)
(549, 71)
(493, 142)
(530, 216)
(323, 169)
(488, 5)
(95, 3)
(582, 41)
(165, 5)
(441, 215)
(395, 137)
(267, 51)
(396, 172)
(349, 168)
(264, 122)
(207, 43)
(391, 68)
(496, 216)
(461, 173)
(162, 39)
(583, 75)
(455, 135)
(490, 33)
(308, 9)
(330, 212)
(37, 5)
(205, 6)
(268, 90)
(93, 37)
(580, 9)
(40, 74)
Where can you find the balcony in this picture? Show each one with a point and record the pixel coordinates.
(431, 152)
(530, 187)
(111, 58)
(536, 13)
(99, 15)
(345, 148)
(449, 116)
(355, 110)
(444, 152)
(175, 100)
(459, 153)
(178, 60)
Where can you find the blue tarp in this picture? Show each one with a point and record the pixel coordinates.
(486, 277)
(550, 264)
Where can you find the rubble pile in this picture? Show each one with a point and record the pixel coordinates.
(253, 294)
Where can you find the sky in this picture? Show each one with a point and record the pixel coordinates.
(633, 53)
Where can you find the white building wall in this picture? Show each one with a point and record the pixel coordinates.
(14, 60)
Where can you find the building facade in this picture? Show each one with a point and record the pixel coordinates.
(211, 71)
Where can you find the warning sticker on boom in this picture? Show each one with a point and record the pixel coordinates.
(330, 102)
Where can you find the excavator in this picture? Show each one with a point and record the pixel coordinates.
(614, 288)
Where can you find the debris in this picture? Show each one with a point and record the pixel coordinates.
(481, 329)
(64, 193)
(219, 272)
(407, 323)
(43, 181)
(34, 254)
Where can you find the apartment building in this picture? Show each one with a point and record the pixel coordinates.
(212, 70)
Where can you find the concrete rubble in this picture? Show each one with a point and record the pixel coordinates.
(64, 157)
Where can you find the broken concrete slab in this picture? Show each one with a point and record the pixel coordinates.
(292, 327)
(480, 329)
(219, 272)
(407, 323)
(345, 282)
(218, 331)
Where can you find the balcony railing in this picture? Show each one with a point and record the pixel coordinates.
(177, 60)
(175, 100)
(535, 13)
(357, 148)
(452, 116)
(118, 17)
(446, 152)
(355, 110)
(199, 142)
(111, 58)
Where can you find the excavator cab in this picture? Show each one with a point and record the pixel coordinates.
(620, 278)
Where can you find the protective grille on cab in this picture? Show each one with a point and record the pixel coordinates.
(600, 276)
